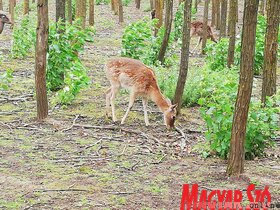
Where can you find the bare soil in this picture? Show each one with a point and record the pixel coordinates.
(78, 159)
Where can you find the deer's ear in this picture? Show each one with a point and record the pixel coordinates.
(173, 107)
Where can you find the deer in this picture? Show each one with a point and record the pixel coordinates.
(197, 30)
(140, 80)
(3, 19)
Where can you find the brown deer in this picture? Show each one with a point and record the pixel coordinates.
(140, 80)
(197, 30)
(3, 19)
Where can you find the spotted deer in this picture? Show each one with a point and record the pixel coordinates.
(140, 80)
(3, 20)
(197, 30)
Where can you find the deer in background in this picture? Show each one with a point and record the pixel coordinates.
(140, 80)
(3, 19)
(197, 30)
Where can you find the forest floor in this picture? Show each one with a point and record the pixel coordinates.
(78, 159)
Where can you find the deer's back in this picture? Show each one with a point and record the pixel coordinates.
(131, 74)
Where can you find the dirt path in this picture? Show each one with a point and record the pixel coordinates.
(94, 164)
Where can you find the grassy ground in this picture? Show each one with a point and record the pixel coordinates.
(97, 164)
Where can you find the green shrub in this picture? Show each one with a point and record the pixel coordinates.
(5, 79)
(138, 42)
(217, 111)
(24, 37)
(65, 71)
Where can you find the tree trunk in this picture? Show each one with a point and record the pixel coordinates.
(60, 10)
(232, 32)
(262, 7)
(223, 26)
(40, 62)
(218, 14)
(12, 11)
(213, 16)
(237, 143)
(91, 12)
(270, 51)
(152, 5)
(69, 11)
(25, 7)
(1, 5)
(138, 4)
(81, 11)
(184, 55)
(205, 24)
(159, 13)
(167, 26)
(120, 11)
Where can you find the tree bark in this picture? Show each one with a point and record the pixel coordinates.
(40, 62)
(60, 10)
(152, 5)
(69, 11)
(262, 7)
(218, 14)
(1, 5)
(232, 32)
(205, 24)
(184, 55)
(237, 153)
(159, 13)
(270, 51)
(223, 26)
(120, 11)
(91, 12)
(25, 7)
(12, 4)
(213, 16)
(81, 11)
(138, 4)
(167, 26)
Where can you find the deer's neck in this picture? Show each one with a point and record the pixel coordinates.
(1, 26)
(160, 101)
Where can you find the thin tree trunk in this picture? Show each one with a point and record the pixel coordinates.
(237, 143)
(138, 4)
(25, 7)
(12, 11)
(1, 5)
(41, 59)
(213, 16)
(184, 55)
(223, 26)
(218, 14)
(270, 51)
(60, 10)
(167, 26)
(91, 12)
(120, 11)
(205, 24)
(81, 11)
(232, 32)
(159, 13)
(152, 5)
(69, 11)
(262, 7)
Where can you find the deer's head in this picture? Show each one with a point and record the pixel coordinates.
(5, 19)
(170, 116)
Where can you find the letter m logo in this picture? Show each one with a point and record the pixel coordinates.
(189, 199)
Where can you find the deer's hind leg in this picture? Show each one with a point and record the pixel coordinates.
(130, 104)
(108, 97)
(114, 90)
